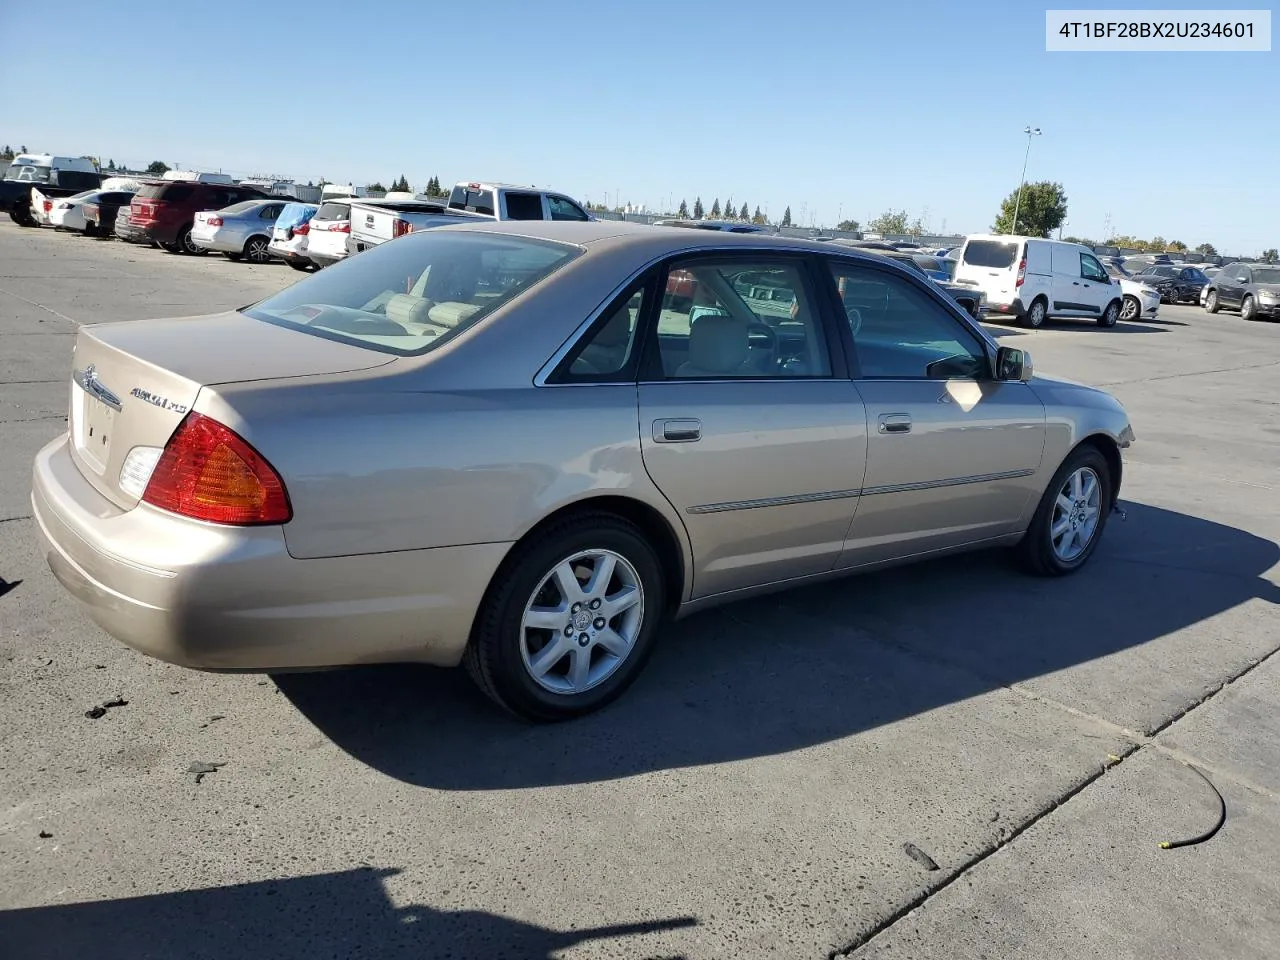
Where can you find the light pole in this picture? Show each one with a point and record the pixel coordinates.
(1017, 204)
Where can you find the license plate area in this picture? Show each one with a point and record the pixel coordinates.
(92, 428)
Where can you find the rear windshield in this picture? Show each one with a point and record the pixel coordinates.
(477, 201)
(295, 213)
(990, 253)
(240, 207)
(28, 173)
(333, 210)
(410, 296)
(168, 192)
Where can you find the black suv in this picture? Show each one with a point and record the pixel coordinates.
(1251, 288)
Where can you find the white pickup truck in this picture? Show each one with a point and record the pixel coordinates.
(377, 221)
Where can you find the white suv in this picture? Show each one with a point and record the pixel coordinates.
(1033, 279)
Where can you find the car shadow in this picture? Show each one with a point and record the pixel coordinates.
(342, 914)
(796, 669)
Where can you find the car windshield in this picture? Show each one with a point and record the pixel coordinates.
(28, 173)
(1266, 274)
(409, 296)
(1162, 271)
(990, 253)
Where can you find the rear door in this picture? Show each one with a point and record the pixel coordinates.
(992, 265)
(1231, 292)
(748, 424)
(952, 453)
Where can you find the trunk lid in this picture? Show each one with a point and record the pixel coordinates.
(133, 382)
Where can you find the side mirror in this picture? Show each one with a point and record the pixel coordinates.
(1013, 364)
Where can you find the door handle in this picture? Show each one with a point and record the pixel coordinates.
(677, 431)
(895, 423)
(1075, 283)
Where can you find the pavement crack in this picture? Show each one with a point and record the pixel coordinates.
(12, 519)
(1192, 373)
(40, 306)
(47, 416)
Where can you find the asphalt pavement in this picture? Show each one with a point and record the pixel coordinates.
(951, 760)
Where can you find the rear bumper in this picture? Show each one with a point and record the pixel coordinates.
(289, 251)
(232, 598)
(325, 259)
(219, 243)
(1014, 308)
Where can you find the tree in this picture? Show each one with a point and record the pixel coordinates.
(1157, 245)
(697, 208)
(758, 217)
(889, 222)
(377, 187)
(1176, 246)
(1207, 249)
(848, 226)
(743, 214)
(786, 217)
(157, 168)
(715, 209)
(1042, 210)
(6, 153)
(1271, 255)
(401, 185)
(111, 164)
(683, 212)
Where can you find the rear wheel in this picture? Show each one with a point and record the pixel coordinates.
(1131, 310)
(187, 245)
(300, 265)
(569, 620)
(21, 217)
(255, 250)
(1110, 315)
(1036, 314)
(1248, 310)
(1211, 301)
(1071, 516)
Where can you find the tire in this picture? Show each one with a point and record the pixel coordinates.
(22, 218)
(1110, 315)
(1036, 314)
(1037, 549)
(304, 267)
(169, 247)
(1131, 310)
(502, 653)
(255, 250)
(1211, 302)
(1248, 309)
(186, 245)
(234, 257)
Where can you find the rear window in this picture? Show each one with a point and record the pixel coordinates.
(332, 210)
(168, 192)
(295, 213)
(408, 297)
(240, 207)
(990, 253)
(477, 201)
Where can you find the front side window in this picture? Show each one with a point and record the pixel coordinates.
(743, 319)
(900, 332)
(562, 209)
(1091, 269)
(407, 298)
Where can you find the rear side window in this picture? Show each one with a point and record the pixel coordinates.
(477, 201)
(524, 206)
(332, 210)
(168, 192)
(996, 254)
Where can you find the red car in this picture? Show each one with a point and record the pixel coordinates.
(163, 212)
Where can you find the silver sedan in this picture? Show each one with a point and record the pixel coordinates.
(241, 231)
(523, 446)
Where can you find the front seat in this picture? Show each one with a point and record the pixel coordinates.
(719, 346)
(607, 351)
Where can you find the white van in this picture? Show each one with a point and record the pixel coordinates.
(1034, 279)
(199, 176)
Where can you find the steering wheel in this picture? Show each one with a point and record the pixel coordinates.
(772, 336)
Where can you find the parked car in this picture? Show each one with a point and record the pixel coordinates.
(505, 201)
(290, 233)
(100, 211)
(968, 295)
(375, 221)
(1251, 288)
(330, 227)
(1035, 279)
(164, 211)
(240, 231)
(1176, 284)
(56, 177)
(384, 462)
(1141, 302)
(67, 213)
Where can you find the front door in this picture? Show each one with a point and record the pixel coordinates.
(1231, 283)
(747, 425)
(1097, 285)
(951, 452)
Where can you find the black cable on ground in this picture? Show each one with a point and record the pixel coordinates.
(1208, 834)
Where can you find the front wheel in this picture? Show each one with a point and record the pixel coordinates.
(1131, 310)
(1248, 310)
(1070, 517)
(304, 265)
(1211, 302)
(1037, 315)
(569, 620)
(1110, 315)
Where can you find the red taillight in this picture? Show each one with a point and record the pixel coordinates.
(1022, 272)
(302, 229)
(343, 227)
(208, 472)
(48, 205)
(213, 221)
(399, 228)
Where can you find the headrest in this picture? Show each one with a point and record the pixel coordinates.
(718, 344)
(451, 314)
(406, 308)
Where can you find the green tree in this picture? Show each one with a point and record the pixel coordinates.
(697, 208)
(111, 164)
(1207, 249)
(758, 217)
(891, 221)
(157, 168)
(1271, 255)
(786, 217)
(1176, 246)
(1042, 209)
(715, 209)
(377, 187)
(1157, 245)
(6, 153)
(683, 212)
(849, 226)
(743, 213)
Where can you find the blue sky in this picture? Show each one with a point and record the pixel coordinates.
(829, 107)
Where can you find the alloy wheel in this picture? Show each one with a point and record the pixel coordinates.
(1076, 513)
(1130, 311)
(256, 250)
(582, 622)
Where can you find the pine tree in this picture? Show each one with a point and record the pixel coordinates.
(715, 209)
(697, 208)
(757, 217)
(683, 212)
(742, 214)
(786, 217)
